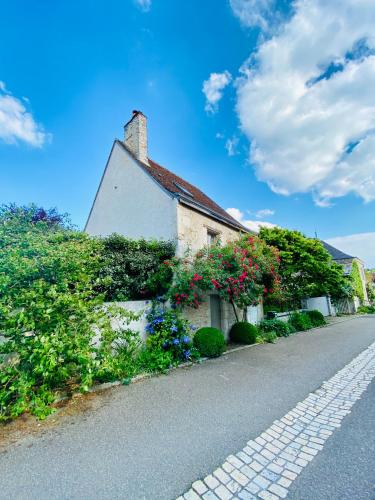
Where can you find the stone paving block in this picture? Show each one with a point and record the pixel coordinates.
(239, 477)
(222, 476)
(244, 457)
(301, 462)
(210, 495)
(275, 468)
(191, 495)
(245, 495)
(211, 482)
(271, 476)
(293, 467)
(227, 467)
(278, 490)
(261, 481)
(289, 474)
(267, 495)
(235, 461)
(252, 488)
(256, 466)
(199, 487)
(284, 482)
(250, 473)
(233, 486)
(223, 493)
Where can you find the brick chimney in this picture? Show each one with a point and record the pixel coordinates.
(136, 136)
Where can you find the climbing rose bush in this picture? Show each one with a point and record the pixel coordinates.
(241, 272)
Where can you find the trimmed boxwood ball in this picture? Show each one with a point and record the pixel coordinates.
(209, 341)
(243, 333)
(316, 317)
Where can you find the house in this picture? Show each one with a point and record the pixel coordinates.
(347, 262)
(137, 198)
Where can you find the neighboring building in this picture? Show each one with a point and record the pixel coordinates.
(346, 261)
(139, 198)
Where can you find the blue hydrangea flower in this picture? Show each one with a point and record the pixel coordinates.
(175, 341)
(150, 329)
(185, 339)
(174, 329)
(187, 354)
(193, 327)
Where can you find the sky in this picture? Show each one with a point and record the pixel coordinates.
(266, 105)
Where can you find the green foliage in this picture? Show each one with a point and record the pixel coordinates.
(156, 360)
(240, 272)
(131, 269)
(357, 281)
(269, 337)
(300, 321)
(316, 318)
(243, 332)
(306, 268)
(209, 342)
(50, 312)
(169, 331)
(281, 328)
(366, 310)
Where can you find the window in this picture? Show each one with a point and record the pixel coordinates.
(183, 190)
(212, 237)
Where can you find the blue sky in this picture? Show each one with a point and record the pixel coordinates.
(261, 140)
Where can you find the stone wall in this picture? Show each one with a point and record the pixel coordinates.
(192, 228)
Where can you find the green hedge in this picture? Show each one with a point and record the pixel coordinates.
(130, 268)
(209, 341)
(281, 328)
(316, 318)
(243, 333)
(300, 321)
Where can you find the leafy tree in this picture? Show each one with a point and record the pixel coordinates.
(357, 281)
(306, 268)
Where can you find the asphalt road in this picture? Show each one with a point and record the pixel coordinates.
(151, 440)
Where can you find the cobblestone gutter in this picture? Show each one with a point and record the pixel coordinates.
(265, 467)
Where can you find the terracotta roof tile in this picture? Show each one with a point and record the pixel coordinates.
(189, 193)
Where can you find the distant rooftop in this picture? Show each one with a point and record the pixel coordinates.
(336, 253)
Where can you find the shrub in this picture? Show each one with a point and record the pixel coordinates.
(269, 337)
(130, 269)
(300, 321)
(281, 328)
(316, 317)
(366, 310)
(243, 333)
(154, 360)
(209, 341)
(169, 331)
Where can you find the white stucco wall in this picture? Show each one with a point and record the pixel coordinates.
(129, 202)
(193, 226)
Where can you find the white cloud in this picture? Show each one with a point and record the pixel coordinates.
(231, 146)
(360, 245)
(303, 121)
(253, 225)
(254, 12)
(144, 5)
(16, 123)
(265, 212)
(213, 89)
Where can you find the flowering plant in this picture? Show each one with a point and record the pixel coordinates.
(168, 331)
(241, 272)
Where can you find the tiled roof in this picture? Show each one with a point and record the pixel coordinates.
(187, 193)
(336, 254)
